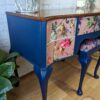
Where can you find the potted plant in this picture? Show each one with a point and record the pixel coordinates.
(7, 69)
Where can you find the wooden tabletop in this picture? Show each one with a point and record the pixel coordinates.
(46, 15)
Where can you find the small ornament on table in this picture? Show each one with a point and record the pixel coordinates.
(28, 6)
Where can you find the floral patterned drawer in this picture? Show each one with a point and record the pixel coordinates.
(50, 53)
(97, 27)
(87, 25)
(60, 28)
(60, 38)
(64, 48)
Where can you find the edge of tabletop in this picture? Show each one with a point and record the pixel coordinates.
(39, 18)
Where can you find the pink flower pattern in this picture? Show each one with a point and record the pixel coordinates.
(88, 25)
(60, 38)
(65, 43)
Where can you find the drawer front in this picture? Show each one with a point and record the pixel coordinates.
(97, 27)
(87, 25)
(60, 38)
(64, 48)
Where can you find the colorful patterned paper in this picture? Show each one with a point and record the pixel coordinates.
(89, 44)
(50, 53)
(61, 28)
(60, 38)
(64, 48)
(87, 25)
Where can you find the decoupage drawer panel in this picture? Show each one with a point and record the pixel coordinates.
(60, 38)
(60, 28)
(64, 48)
(50, 52)
(87, 25)
(97, 27)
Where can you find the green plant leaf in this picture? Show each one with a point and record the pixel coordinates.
(3, 96)
(3, 55)
(12, 55)
(5, 85)
(7, 69)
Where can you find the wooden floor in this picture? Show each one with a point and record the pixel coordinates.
(62, 85)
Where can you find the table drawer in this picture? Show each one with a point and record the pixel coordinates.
(87, 25)
(60, 38)
(64, 48)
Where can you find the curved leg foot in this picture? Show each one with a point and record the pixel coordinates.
(96, 69)
(43, 75)
(79, 92)
(84, 60)
(96, 76)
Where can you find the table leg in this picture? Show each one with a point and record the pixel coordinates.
(84, 61)
(96, 69)
(43, 75)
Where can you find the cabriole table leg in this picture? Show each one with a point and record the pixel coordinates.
(84, 61)
(43, 75)
(96, 76)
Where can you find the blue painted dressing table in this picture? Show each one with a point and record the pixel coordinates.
(50, 36)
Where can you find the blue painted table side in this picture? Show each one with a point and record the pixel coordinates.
(29, 38)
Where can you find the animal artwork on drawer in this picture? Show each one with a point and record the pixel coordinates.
(60, 38)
